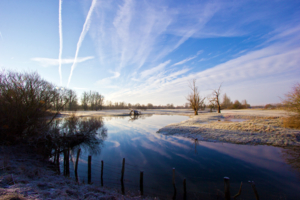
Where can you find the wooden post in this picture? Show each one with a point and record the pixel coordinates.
(76, 164)
(68, 163)
(123, 170)
(102, 173)
(122, 176)
(90, 170)
(65, 162)
(141, 182)
(122, 188)
(254, 189)
(184, 188)
(57, 164)
(226, 188)
(174, 195)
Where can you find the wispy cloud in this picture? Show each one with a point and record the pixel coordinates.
(139, 32)
(85, 29)
(188, 59)
(1, 35)
(60, 40)
(46, 62)
(259, 69)
(106, 81)
(154, 70)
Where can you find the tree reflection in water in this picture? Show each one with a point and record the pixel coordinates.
(79, 132)
(292, 157)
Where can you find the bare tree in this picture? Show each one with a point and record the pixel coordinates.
(72, 99)
(216, 98)
(85, 100)
(194, 98)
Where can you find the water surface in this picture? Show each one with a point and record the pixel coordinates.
(203, 164)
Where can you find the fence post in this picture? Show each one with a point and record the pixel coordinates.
(141, 182)
(102, 173)
(254, 189)
(76, 164)
(57, 163)
(184, 188)
(68, 163)
(89, 169)
(65, 162)
(226, 188)
(174, 195)
(123, 170)
(122, 176)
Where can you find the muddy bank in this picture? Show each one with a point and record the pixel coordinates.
(27, 176)
(253, 127)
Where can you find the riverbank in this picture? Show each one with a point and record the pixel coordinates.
(24, 175)
(256, 127)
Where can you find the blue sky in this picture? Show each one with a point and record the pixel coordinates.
(141, 51)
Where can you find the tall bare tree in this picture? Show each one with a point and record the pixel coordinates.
(216, 98)
(194, 98)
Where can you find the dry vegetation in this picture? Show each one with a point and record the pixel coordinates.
(254, 130)
(292, 104)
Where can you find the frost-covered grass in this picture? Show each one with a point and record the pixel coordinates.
(26, 176)
(254, 130)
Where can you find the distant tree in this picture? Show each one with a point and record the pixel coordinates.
(245, 104)
(150, 106)
(216, 98)
(226, 102)
(237, 105)
(211, 106)
(72, 100)
(85, 100)
(194, 98)
(99, 99)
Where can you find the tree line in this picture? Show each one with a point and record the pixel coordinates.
(196, 102)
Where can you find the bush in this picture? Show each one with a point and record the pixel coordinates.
(269, 106)
(292, 104)
(25, 102)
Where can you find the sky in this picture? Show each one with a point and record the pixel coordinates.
(147, 51)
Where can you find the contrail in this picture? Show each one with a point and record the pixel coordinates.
(60, 40)
(85, 28)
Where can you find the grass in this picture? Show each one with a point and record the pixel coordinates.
(292, 122)
(13, 196)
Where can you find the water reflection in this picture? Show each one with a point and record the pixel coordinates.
(84, 132)
(135, 117)
(203, 164)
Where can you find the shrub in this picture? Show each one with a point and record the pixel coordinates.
(292, 104)
(25, 102)
(269, 106)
